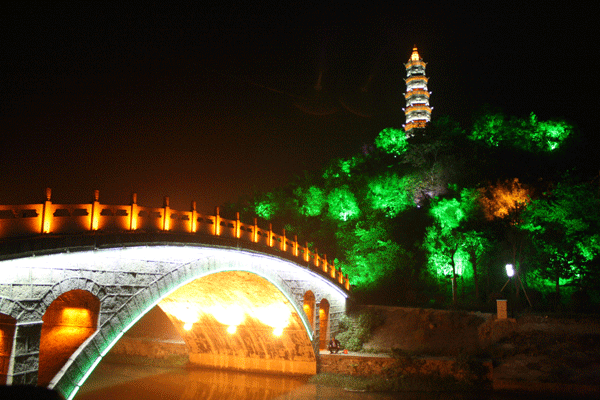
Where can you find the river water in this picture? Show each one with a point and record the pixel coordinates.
(129, 382)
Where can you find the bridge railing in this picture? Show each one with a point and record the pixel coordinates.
(49, 218)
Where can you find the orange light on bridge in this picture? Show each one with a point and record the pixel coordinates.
(276, 315)
(182, 312)
(232, 316)
(80, 317)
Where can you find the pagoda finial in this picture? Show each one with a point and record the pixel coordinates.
(415, 54)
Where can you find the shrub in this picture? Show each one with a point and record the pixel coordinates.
(356, 329)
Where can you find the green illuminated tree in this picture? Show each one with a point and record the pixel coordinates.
(266, 206)
(497, 130)
(445, 241)
(475, 244)
(391, 193)
(371, 256)
(392, 141)
(311, 201)
(343, 205)
(565, 228)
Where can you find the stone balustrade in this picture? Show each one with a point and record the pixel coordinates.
(47, 218)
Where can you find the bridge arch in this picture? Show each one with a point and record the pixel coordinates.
(7, 331)
(131, 280)
(309, 308)
(67, 323)
(324, 321)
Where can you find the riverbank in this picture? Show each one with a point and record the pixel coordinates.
(414, 348)
(532, 353)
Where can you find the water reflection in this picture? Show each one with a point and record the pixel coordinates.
(135, 382)
(125, 382)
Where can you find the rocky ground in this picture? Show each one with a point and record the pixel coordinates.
(550, 349)
(531, 348)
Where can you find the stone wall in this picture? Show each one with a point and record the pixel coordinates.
(366, 366)
(155, 349)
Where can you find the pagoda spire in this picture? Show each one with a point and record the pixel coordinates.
(417, 111)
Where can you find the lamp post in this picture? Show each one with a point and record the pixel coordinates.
(501, 304)
(510, 272)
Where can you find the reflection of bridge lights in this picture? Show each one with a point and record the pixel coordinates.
(188, 326)
(277, 332)
(231, 329)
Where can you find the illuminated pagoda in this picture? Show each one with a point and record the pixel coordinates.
(417, 111)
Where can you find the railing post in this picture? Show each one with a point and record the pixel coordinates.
(270, 234)
(217, 230)
(296, 245)
(237, 225)
(283, 242)
(166, 212)
(306, 253)
(95, 211)
(47, 212)
(255, 233)
(133, 215)
(194, 221)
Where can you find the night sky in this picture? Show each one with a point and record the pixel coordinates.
(211, 103)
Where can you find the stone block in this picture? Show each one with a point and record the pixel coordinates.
(21, 291)
(29, 362)
(6, 291)
(39, 291)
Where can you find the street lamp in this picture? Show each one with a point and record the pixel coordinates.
(510, 271)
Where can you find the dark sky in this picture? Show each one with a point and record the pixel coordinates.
(212, 102)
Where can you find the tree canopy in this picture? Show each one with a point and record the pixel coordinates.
(441, 210)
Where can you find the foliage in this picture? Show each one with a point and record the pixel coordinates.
(504, 198)
(312, 201)
(392, 141)
(391, 193)
(343, 205)
(396, 221)
(357, 329)
(266, 207)
(495, 129)
(446, 243)
(371, 255)
(565, 228)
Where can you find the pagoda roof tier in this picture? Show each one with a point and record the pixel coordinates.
(414, 78)
(416, 92)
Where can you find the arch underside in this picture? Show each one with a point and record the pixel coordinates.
(252, 309)
(132, 280)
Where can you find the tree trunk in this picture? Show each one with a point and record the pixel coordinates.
(454, 289)
(475, 276)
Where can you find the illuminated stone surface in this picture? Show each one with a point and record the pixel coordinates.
(129, 281)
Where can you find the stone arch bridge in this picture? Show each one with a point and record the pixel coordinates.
(75, 278)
